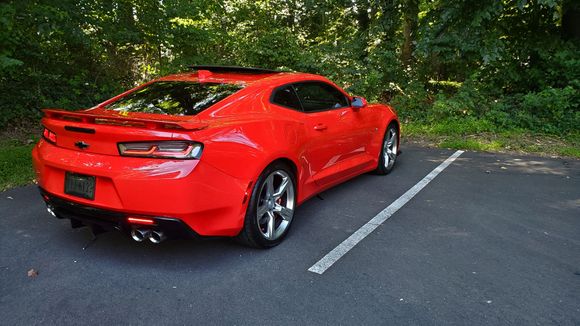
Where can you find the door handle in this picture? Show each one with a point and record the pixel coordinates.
(320, 127)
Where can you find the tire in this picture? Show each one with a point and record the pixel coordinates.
(389, 150)
(271, 208)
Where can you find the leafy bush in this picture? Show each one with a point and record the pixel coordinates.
(413, 102)
(477, 65)
(551, 110)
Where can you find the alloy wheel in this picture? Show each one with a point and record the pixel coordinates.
(390, 148)
(275, 208)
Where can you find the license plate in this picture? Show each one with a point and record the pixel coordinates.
(79, 185)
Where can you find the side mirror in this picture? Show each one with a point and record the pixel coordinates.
(358, 102)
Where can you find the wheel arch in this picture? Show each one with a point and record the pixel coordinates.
(293, 168)
(395, 121)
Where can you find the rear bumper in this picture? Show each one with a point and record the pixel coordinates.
(82, 215)
(208, 201)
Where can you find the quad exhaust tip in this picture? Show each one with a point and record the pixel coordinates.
(154, 236)
(140, 234)
(50, 210)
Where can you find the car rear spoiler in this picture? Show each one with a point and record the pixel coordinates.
(93, 118)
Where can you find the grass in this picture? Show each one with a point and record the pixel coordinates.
(16, 161)
(476, 135)
(15, 164)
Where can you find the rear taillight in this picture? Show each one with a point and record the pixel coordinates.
(49, 136)
(162, 149)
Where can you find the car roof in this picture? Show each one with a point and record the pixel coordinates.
(207, 76)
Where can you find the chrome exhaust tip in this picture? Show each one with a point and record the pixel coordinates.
(139, 234)
(50, 210)
(157, 237)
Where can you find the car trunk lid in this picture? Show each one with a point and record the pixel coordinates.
(99, 131)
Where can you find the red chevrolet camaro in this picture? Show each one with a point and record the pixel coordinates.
(222, 151)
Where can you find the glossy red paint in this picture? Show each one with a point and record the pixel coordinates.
(241, 136)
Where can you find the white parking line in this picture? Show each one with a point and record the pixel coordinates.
(333, 256)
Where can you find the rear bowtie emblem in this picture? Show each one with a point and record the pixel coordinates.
(81, 144)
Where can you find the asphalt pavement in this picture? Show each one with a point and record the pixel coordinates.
(493, 239)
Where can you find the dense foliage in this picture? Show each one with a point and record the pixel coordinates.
(496, 63)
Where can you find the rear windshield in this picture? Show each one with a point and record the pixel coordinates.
(174, 97)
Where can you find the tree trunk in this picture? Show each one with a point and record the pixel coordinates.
(362, 16)
(363, 20)
(410, 25)
(571, 20)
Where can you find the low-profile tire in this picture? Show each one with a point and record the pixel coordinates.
(389, 150)
(271, 208)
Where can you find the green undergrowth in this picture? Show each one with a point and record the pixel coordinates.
(482, 136)
(15, 164)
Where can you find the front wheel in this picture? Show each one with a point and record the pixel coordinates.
(389, 150)
(271, 208)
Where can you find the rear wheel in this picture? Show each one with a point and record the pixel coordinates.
(389, 150)
(271, 208)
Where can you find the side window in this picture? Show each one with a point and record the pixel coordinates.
(318, 96)
(286, 96)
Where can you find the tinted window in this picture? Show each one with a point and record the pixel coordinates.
(316, 96)
(174, 97)
(286, 96)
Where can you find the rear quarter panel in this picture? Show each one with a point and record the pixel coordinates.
(244, 137)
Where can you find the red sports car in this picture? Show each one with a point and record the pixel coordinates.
(221, 151)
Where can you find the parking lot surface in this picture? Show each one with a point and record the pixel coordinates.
(493, 239)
